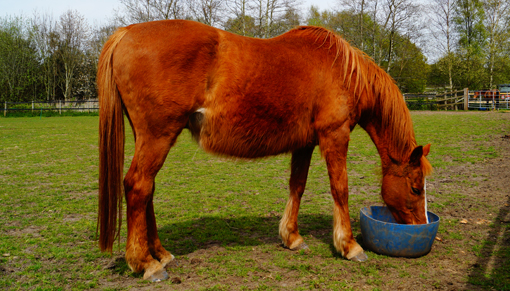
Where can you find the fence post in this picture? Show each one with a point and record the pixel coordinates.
(466, 99)
(5, 109)
(455, 100)
(60, 107)
(32, 106)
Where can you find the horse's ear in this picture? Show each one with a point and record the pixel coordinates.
(426, 150)
(416, 155)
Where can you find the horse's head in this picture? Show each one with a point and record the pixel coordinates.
(403, 187)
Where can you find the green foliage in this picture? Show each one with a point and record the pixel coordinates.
(410, 67)
(19, 63)
(421, 104)
(242, 25)
(49, 60)
(469, 17)
(468, 71)
(471, 71)
(438, 74)
(248, 25)
(502, 69)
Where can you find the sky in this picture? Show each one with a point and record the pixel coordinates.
(95, 11)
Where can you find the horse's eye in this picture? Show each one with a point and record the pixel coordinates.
(416, 191)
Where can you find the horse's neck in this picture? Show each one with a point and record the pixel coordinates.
(383, 138)
(379, 140)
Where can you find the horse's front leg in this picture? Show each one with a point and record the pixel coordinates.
(288, 224)
(334, 149)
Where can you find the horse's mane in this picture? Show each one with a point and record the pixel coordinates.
(374, 90)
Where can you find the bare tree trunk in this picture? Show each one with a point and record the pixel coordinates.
(375, 33)
(390, 51)
(243, 15)
(450, 75)
(361, 24)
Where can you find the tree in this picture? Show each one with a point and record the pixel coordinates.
(19, 65)
(209, 12)
(357, 7)
(497, 28)
(136, 11)
(74, 32)
(469, 18)
(440, 16)
(342, 22)
(410, 66)
(269, 15)
(290, 19)
(46, 38)
(384, 21)
(315, 17)
(241, 23)
(401, 17)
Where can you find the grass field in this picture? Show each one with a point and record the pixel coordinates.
(220, 217)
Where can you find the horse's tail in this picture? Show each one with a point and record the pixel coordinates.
(111, 147)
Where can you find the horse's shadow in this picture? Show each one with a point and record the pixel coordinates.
(209, 232)
(186, 237)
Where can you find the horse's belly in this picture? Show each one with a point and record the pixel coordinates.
(248, 135)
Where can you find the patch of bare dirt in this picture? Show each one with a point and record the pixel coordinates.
(476, 219)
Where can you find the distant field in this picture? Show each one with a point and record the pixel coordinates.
(220, 217)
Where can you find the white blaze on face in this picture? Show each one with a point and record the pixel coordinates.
(425, 194)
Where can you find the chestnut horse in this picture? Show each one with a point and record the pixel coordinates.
(248, 98)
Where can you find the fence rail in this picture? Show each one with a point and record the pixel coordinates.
(57, 106)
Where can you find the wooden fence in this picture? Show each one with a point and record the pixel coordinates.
(456, 100)
(453, 100)
(58, 105)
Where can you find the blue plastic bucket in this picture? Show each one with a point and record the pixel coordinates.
(383, 235)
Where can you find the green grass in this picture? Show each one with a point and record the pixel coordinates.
(48, 201)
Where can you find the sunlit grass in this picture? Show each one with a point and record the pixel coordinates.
(48, 201)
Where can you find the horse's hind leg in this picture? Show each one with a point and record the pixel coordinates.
(156, 249)
(288, 224)
(334, 149)
(143, 246)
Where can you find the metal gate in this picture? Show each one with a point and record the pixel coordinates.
(488, 100)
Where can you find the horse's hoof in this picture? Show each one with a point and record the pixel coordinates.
(167, 260)
(302, 246)
(159, 276)
(361, 257)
